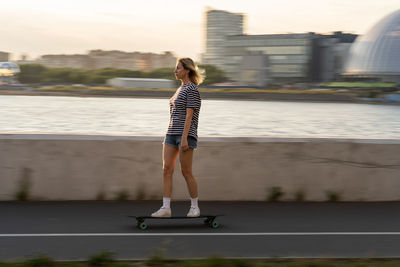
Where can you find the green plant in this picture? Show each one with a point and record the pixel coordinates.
(241, 263)
(24, 185)
(140, 192)
(332, 196)
(369, 93)
(157, 258)
(73, 264)
(373, 94)
(101, 196)
(154, 196)
(122, 195)
(40, 261)
(101, 259)
(300, 196)
(275, 194)
(217, 261)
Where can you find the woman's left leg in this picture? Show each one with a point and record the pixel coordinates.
(185, 159)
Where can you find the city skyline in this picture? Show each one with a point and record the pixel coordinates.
(75, 27)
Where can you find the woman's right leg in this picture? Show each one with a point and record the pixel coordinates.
(170, 153)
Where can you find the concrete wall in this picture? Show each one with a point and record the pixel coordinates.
(79, 167)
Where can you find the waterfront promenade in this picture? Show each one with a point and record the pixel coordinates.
(76, 230)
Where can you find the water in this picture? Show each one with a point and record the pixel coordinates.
(138, 116)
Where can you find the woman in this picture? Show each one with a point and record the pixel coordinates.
(181, 137)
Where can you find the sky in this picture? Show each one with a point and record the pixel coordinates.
(76, 26)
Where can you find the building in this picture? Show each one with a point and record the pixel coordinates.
(8, 72)
(376, 55)
(288, 56)
(99, 59)
(65, 61)
(329, 54)
(4, 56)
(218, 26)
(294, 57)
(140, 83)
(254, 70)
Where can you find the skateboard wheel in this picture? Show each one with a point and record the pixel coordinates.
(143, 226)
(214, 224)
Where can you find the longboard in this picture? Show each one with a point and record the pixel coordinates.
(209, 220)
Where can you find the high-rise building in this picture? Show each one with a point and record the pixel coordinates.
(219, 24)
(288, 56)
(271, 58)
(4, 56)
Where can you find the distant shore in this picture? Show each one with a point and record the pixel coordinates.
(258, 95)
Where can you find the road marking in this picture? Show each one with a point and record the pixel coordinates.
(198, 234)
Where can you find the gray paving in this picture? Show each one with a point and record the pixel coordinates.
(76, 230)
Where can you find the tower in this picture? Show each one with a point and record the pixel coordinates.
(217, 25)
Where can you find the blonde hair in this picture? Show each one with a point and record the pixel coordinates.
(195, 74)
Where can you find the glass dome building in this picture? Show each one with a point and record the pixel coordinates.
(8, 68)
(377, 53)
(8, 71)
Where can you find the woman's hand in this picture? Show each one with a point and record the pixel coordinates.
(188, 121)
(184, 144)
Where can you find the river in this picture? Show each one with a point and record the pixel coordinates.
(141, 116)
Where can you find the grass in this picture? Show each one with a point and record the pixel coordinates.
(24, 185)
(264, 91)
(102, 259)
(332, 196)
(274, 194)
(299, 196)
(107, 259)
(122, 195)
(359, 84)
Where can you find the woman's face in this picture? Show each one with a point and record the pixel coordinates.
(180, 72)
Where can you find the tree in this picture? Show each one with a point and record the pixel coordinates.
(213, 74)
(58, 75)
(35, 73)
(31, 73)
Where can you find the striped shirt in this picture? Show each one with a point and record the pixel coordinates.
(187, 96)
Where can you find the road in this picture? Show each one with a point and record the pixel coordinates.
(77, 230)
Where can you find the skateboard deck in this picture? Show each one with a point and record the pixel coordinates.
(208, 220)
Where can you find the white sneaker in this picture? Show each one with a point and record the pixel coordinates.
(162, 212)
(194, 212)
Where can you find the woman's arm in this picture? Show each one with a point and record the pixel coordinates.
(188, 121)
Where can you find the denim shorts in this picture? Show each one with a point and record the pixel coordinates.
(175, 140)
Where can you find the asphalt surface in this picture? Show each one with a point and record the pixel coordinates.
(77, 230)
